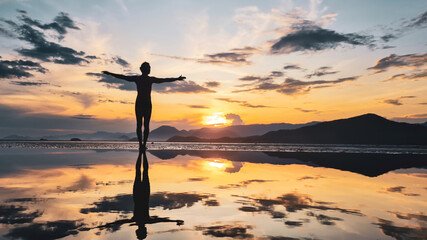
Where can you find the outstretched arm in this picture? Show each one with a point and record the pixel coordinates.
(162, 80)
(127, 78)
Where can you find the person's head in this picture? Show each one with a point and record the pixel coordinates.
(145, 68)
(141, 232)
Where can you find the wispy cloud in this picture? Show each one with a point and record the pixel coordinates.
(235, 56)
(29, 83)
(400, 61)
(396, 101)
(293, 86)
(241, 103)
(325, 70)
(198, 106)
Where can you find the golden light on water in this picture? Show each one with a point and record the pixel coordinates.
(216, 164)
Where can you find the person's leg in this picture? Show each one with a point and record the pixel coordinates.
(139, 114)
(147, 117)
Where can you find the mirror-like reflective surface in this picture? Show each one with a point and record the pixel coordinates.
(89, 194)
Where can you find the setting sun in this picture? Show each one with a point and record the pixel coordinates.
(216, 119)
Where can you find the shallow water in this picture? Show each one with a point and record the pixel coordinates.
(270, 147)
(48, 193)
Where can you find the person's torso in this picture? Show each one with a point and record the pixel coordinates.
(144, 85)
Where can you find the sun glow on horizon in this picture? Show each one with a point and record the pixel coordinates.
(216, 120)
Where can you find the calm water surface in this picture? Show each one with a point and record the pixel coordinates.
(49, 193)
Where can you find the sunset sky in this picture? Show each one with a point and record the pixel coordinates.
(246, 62)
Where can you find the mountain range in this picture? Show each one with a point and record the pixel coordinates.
(163, 133)
(364, 129)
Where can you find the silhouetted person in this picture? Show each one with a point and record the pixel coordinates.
(143, 104)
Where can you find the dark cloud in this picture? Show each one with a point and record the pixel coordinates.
(198, 106)
(29, 83)
(212, 84)
(419, 21)
(414, 75)
(83, 116)
(400, 189)
(211, 203)
(309, 37)
(293, 87)
(48, 230)
(321, 72)
(255, 78)
(197, 179)
(122, 203)
(294, 223)
(241, 103)
(290, 86)
(233, 230)
(305, 110)
(243, 183)
(167, 200)
(107, 100)
(111, 183)
(398, 232)
(400, 61)
(236, 167)
(234, 56)
(292, 67)
(25, 200)
(324, 219)
(91, 57)
(310, 177)
(21, 11)
(395, 189)
(409, 216)
(396, 101)
(236, 119)
(293, 202)
(121, 61)
(32, 32)
(276, 74)
(19, 68)
(60, 24)
(11, 214)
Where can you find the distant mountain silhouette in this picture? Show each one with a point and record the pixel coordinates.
(100, 135)
(17, 137)
(364, 129)
(165, 132)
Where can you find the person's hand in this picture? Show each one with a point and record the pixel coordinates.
(106, 72)
(180, 78)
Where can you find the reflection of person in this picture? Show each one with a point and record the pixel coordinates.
(141, 198)
(143, 100)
